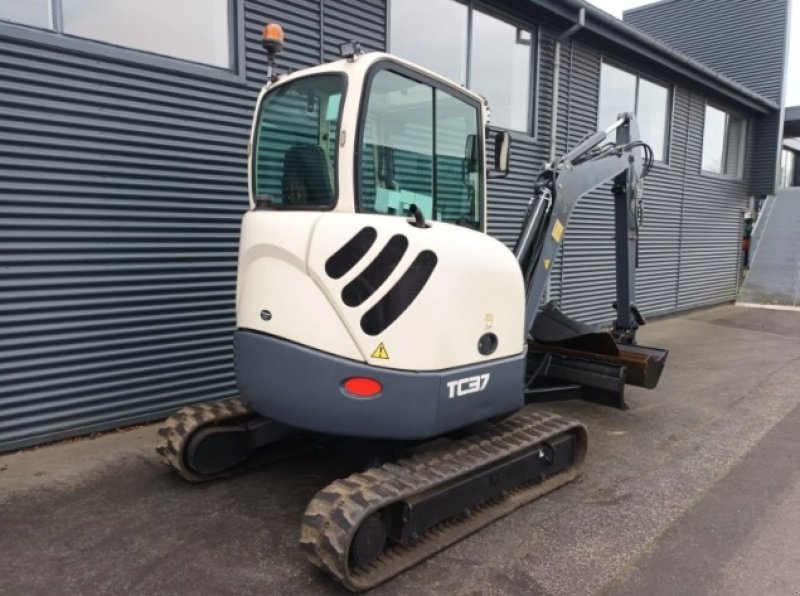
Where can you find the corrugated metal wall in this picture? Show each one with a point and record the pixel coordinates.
(588, 275)
(121, 190)
(689, 243)
(711, 223)
(122, 185)
(743, 39)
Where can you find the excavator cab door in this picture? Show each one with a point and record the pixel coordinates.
(419, 144)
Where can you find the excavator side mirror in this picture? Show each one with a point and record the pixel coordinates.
(502, 152)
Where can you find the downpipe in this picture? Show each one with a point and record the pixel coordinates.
(554, 103)
(557, 76)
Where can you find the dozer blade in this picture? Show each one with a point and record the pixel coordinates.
(556, 333)
(643, 364)
(369, 527)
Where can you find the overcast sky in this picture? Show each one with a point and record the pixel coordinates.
(616, 7)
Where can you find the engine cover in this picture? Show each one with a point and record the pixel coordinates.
(376, 289)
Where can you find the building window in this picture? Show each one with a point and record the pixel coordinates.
(723, 142)
(418, 33)
(36, 13)
(194, 30)
(501, 70)
(491, 57)
(623, 91)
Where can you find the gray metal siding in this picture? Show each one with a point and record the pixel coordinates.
(361, 20)
(743, 39)
(764, 158)
(689, 243)
(122, 186)
(588, 274)
(711, 224)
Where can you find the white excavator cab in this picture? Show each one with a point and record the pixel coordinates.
(370, 134)
(363, 255)
(368, 196)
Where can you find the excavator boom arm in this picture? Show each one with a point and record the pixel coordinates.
(559, 188)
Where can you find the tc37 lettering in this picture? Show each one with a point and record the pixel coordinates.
(467, 385)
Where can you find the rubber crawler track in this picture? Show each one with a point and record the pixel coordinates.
(335, 513)
(174, 434)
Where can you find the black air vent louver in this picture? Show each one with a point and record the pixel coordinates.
(400, 297)
(344, 259)
(377, 272)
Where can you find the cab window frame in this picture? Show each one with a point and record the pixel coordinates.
(254, 147)
(386, 64)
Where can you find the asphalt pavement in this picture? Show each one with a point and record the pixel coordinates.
(693, 490)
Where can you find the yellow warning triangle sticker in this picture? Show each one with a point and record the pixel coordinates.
(547, 263)
(380, 352)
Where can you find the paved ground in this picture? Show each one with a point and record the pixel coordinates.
(694, 490)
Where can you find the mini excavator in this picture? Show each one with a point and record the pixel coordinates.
(371, 304)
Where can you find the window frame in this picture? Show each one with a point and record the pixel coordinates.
(729, 114)
(254, 152)
(656, 80)
(533, 82)
(56, 39)
(387, 64)
(532, 129)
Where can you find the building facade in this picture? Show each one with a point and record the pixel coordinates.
(123, 132)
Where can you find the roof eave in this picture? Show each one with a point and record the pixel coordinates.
(606, 26)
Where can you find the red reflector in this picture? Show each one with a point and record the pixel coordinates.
(362, 386)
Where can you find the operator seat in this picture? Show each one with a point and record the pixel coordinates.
(305, 176)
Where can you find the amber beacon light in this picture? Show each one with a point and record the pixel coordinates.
(272, 38)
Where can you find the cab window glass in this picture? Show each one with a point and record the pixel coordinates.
(419, 146)
(295, 144)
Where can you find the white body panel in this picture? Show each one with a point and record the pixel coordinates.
(273, 275)
(475, 288)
